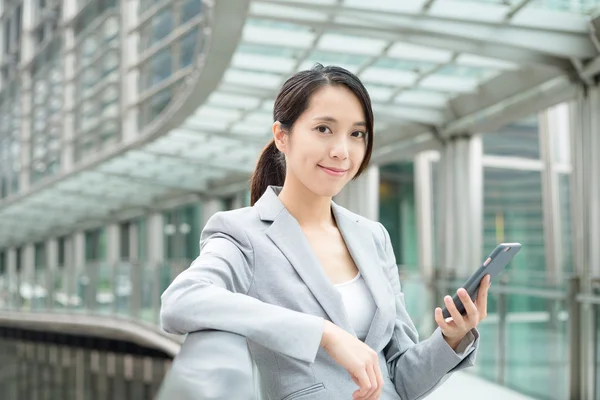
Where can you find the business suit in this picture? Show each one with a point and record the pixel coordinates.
(258, 277)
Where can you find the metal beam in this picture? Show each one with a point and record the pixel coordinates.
(533, 37)
(147, 181)
(195, 161)
(210, 133)
(512, 108)
(445, 11)
(515, 9)
(394, 112)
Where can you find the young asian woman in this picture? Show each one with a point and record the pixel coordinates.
(313, 287)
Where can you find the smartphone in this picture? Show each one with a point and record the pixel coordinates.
(493, 264)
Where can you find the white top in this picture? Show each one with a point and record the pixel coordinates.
(359, 303)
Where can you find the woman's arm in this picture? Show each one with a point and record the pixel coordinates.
(417, 368)
(212, 294)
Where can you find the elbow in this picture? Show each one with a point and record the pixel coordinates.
(168, 316)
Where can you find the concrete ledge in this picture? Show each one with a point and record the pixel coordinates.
(108, 327)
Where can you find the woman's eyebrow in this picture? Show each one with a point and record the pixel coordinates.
(335, 121)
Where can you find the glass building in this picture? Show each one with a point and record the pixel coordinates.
(124, 125)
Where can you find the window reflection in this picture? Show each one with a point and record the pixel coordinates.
(46, 118)
(177, 21)
(189, 9)
(162, 25)
(97, 91)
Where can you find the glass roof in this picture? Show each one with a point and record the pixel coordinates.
(426, 64)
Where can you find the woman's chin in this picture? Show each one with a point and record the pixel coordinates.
(326, 189)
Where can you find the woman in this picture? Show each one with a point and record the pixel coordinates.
(313, 287)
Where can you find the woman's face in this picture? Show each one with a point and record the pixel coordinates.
(328, 141)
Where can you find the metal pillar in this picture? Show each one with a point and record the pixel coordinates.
(156, 257)
(51, 270)
(130, 40)
(67, 156)
(586, 220)
(77, 273)
(136, 270)
(13, 278)
(28, 273)
(27, 53)
(209, 208)
(461, 205)
(551, 122)
(113, 255)
(424, 210)
(362, 194)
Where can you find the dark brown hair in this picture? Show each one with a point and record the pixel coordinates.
(292, 100)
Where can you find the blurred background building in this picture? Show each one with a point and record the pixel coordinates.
(125, 124)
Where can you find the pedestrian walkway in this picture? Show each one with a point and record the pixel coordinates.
(466, 386)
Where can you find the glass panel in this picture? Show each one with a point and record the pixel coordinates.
(189, 9)
(98, 59)
(80, 289)
(182, 233)
(161, 25)
(537, 348)
(519, 139)
(110, 30)
(149, 292)
(145, 5)
(572, 6)
(104, 288)
(142, 239)
(188, 49)
(123, 287)
(159, 101)
(512, 212)
(397, 212)
(4, 291)
(61, 296)
(487, 365)
(161, 67)
(566, 230)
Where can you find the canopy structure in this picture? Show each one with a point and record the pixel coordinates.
(434, 69)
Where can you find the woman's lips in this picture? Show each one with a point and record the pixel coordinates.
(333, 171)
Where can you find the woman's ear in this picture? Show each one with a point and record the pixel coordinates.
(280, 137)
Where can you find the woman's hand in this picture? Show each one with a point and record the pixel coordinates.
(361, 362)
(458, 326)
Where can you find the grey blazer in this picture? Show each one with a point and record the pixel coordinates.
(257, 276)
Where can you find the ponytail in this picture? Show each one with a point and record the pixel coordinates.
(270, 170)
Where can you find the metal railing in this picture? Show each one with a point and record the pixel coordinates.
(538, 339)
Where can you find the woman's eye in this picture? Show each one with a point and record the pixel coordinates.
(358, 134)
(323, 129)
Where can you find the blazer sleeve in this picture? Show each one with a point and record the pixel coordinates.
(418, 367)
(213, 294)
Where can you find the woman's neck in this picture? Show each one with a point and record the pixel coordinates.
(309, 209)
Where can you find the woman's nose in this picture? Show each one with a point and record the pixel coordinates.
(340, 149)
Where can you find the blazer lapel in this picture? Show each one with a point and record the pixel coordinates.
(286, 234)
(361, 245)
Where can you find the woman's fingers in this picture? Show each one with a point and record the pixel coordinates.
(482, 296)
(375, 382)
(439, 319)
(364, 382)
(372, 379)
(378, 373)
(377, 392)
(456, 316)
(472, 312)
